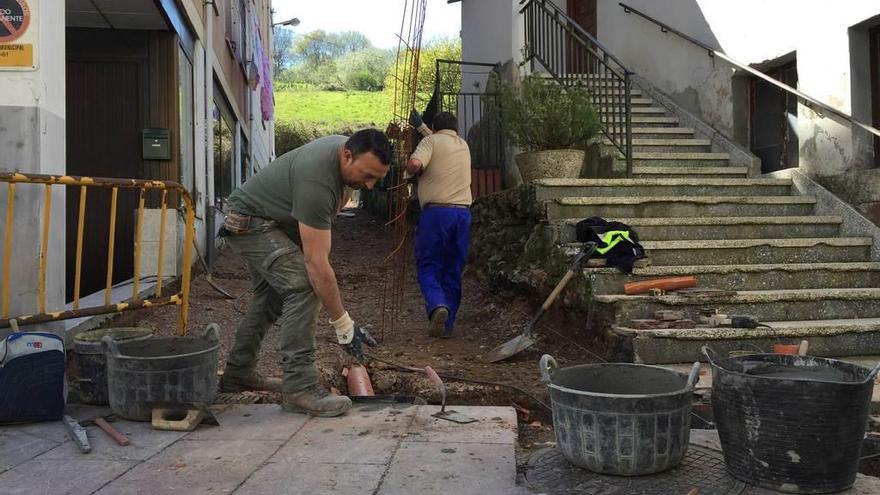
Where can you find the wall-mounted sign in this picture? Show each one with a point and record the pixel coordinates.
(18, 35)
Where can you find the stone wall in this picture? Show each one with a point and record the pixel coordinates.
(514, 246)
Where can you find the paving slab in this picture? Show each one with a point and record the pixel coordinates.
(70, 477)
(145, 443)
(366, 435)
(53, 431)
(296, 478)
(195, 466)
(252, 422)
(17, 447)
(447, 467)
(494, 425)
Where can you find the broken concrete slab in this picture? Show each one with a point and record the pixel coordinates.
(70, 477)
(295, 477)
(195, 466)
(494, 425)
(447, 467)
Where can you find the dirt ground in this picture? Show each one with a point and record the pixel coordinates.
(487, 318)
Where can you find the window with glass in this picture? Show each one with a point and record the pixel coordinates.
(224, 147)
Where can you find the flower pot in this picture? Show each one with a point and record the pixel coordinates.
(550, 164)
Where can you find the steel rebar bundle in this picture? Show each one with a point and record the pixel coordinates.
(402, 137)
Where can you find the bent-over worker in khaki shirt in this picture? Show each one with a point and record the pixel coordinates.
(442, 163)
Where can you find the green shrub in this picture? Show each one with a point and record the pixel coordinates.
(541, 114)
(292, 135)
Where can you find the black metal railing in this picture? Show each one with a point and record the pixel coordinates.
(574, 57)
(477, 109)
(806, 100)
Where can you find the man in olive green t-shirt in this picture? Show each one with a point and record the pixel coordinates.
(279, 222)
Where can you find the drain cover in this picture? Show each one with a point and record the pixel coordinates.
(548, 471)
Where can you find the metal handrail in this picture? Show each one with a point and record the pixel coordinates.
(581, 31)
(808, 101)
(557, 42)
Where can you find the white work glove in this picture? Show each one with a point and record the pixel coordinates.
(351, 337)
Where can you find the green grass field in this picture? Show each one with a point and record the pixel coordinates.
(333, 107)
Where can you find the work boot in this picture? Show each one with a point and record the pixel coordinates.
(315, 401)
(438, 321)
(240, 381)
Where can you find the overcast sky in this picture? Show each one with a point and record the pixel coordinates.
(379, 20)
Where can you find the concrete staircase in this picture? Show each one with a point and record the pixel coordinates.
(697, 215)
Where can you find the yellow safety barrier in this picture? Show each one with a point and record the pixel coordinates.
(85, 183)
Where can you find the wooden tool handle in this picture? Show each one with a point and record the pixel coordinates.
(665, 284)
(113, 432)
(557, 290)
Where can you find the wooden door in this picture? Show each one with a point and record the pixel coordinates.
(584, 13)
(875, 88)
(774, 115)
(104, 119)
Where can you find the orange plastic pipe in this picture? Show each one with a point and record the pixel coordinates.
(359, 384)
(667, 284)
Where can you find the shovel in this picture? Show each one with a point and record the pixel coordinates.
(525, 340)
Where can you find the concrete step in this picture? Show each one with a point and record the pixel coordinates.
(668, 145)
(618, 101)
(679, 206)
(773, 276)
(650, 121)
(662, 132)
(558, 188)
(685, 172)
(608, 311)
(666, 159)
(827, 337)
(695, 228)
(759, 251)
(644, 110)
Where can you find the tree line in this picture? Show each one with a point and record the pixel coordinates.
(348, 61)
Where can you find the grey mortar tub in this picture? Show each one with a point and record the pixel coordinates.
(620, 418)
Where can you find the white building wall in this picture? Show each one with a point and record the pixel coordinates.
(830, 41)
(32, 140)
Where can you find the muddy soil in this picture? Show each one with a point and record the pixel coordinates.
(488, 317)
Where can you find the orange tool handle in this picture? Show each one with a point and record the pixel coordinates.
(113, 432)
(666, 284)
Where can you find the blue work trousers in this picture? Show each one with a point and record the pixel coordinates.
(441, 245)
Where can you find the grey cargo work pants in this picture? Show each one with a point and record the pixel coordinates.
(282, 292)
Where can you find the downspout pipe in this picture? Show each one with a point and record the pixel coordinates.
(208, 16)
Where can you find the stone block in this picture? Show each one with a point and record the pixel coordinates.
(18, 447)
(71, 477)
(283, 477)
(145, 443)
(447, 467)
(195, 466)
(494, 425)
(252, 422)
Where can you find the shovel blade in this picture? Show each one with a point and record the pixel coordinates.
(509, 348)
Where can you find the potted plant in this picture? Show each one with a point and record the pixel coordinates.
(546, 121)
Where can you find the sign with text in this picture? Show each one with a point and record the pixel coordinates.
(18, 35)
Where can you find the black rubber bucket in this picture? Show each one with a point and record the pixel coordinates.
(789, 423)
(162, 369)
(90, 381)
(619, 418)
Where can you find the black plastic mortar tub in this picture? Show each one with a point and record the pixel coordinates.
(90, 382)
(162, 369)
(789, 423)
(620, 418)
